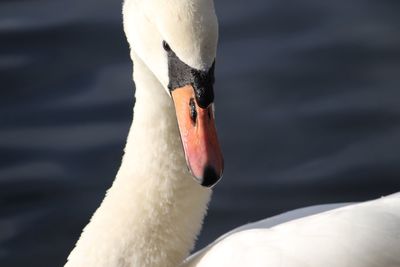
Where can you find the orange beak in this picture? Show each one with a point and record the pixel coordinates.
(199, 137)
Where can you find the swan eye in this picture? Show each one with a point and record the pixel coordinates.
(166, 46)
(193, 111)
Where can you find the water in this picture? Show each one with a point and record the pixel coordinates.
(307, 110)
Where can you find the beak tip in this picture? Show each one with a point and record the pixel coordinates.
(210, 177)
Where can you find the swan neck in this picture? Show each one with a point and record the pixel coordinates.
(154, 210)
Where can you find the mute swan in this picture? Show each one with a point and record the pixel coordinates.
(153, 212)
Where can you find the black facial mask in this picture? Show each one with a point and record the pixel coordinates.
(181, 74)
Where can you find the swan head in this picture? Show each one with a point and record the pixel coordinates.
(177, 41)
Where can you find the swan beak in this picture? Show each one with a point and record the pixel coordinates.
(199, 137)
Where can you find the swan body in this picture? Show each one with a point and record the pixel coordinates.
(357, 235)
(152, 213)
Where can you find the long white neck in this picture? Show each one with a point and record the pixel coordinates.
(153, 212)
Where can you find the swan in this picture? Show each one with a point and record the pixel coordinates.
(153, 212)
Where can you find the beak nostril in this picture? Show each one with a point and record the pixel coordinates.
(193, 111)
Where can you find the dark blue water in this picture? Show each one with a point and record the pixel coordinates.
(308, 111)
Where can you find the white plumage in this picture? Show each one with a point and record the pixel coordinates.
(153, 212)
(357, 235)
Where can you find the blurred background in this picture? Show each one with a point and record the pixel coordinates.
(308, 112)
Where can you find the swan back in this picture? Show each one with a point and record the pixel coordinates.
(358, 235)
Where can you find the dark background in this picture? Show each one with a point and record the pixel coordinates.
(308, 112)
